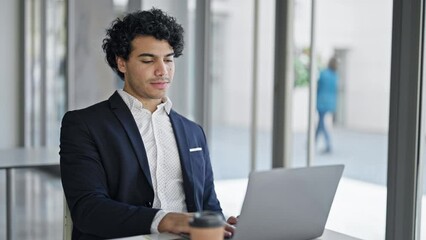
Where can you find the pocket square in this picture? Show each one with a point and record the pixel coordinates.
(195, 149)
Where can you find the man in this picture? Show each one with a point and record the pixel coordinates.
(131, 165)
(326, 100)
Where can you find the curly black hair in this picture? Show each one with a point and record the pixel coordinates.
(153, 22)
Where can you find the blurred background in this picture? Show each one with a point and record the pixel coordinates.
(226, 80)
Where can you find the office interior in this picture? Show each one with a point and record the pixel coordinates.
(248, 76)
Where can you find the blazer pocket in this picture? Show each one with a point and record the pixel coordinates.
(197, 159)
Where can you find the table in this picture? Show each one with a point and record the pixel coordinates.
(11, 159)
(328, 235)
(332, 235)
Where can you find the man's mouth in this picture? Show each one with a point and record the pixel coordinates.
(160, 85)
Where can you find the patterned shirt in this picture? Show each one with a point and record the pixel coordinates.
(163, 156)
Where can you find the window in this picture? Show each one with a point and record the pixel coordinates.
(354, 111)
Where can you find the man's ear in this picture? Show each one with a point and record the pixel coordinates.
(121, 64)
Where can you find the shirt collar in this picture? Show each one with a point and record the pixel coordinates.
(133, 102)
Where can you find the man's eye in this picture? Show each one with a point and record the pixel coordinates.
(147, 61)
(168, 60)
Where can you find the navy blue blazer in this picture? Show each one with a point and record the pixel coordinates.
(105, 172)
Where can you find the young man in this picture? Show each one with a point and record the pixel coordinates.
(131, 165)
(326, 100)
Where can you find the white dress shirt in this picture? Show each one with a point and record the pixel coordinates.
(163, 156)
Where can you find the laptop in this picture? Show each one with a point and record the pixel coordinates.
(288, 204)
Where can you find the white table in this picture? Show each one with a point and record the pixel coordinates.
(11, 159)
(328, 235)
(332, 235)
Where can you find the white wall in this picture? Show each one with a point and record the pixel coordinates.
(364, 28)
(266, 53)
(10, 100)
(233, 95)
(370, 82)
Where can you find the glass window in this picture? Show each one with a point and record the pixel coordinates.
(353, 56)
(45, 70)
(55, 68)
(235, 101)
(231, 87)
(265, 83)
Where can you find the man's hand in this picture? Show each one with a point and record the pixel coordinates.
(230, 226)
(175, 223)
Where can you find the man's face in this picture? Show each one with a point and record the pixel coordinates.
(149, 69)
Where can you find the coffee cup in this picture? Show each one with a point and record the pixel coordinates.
(207, 226)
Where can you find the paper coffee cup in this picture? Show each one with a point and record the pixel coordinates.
(207, 226)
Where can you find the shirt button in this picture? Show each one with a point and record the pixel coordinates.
(148, 204)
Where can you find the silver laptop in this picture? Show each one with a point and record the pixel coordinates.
(288, 204)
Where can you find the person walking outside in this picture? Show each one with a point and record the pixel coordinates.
(326, 100)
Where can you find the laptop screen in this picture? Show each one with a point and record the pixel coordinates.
(291, 203)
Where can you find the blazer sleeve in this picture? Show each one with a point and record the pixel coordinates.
(85, 185)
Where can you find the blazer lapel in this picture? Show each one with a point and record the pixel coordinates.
(182, 144)
(123, 114)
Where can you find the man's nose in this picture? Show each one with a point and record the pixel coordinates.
(161, 69)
